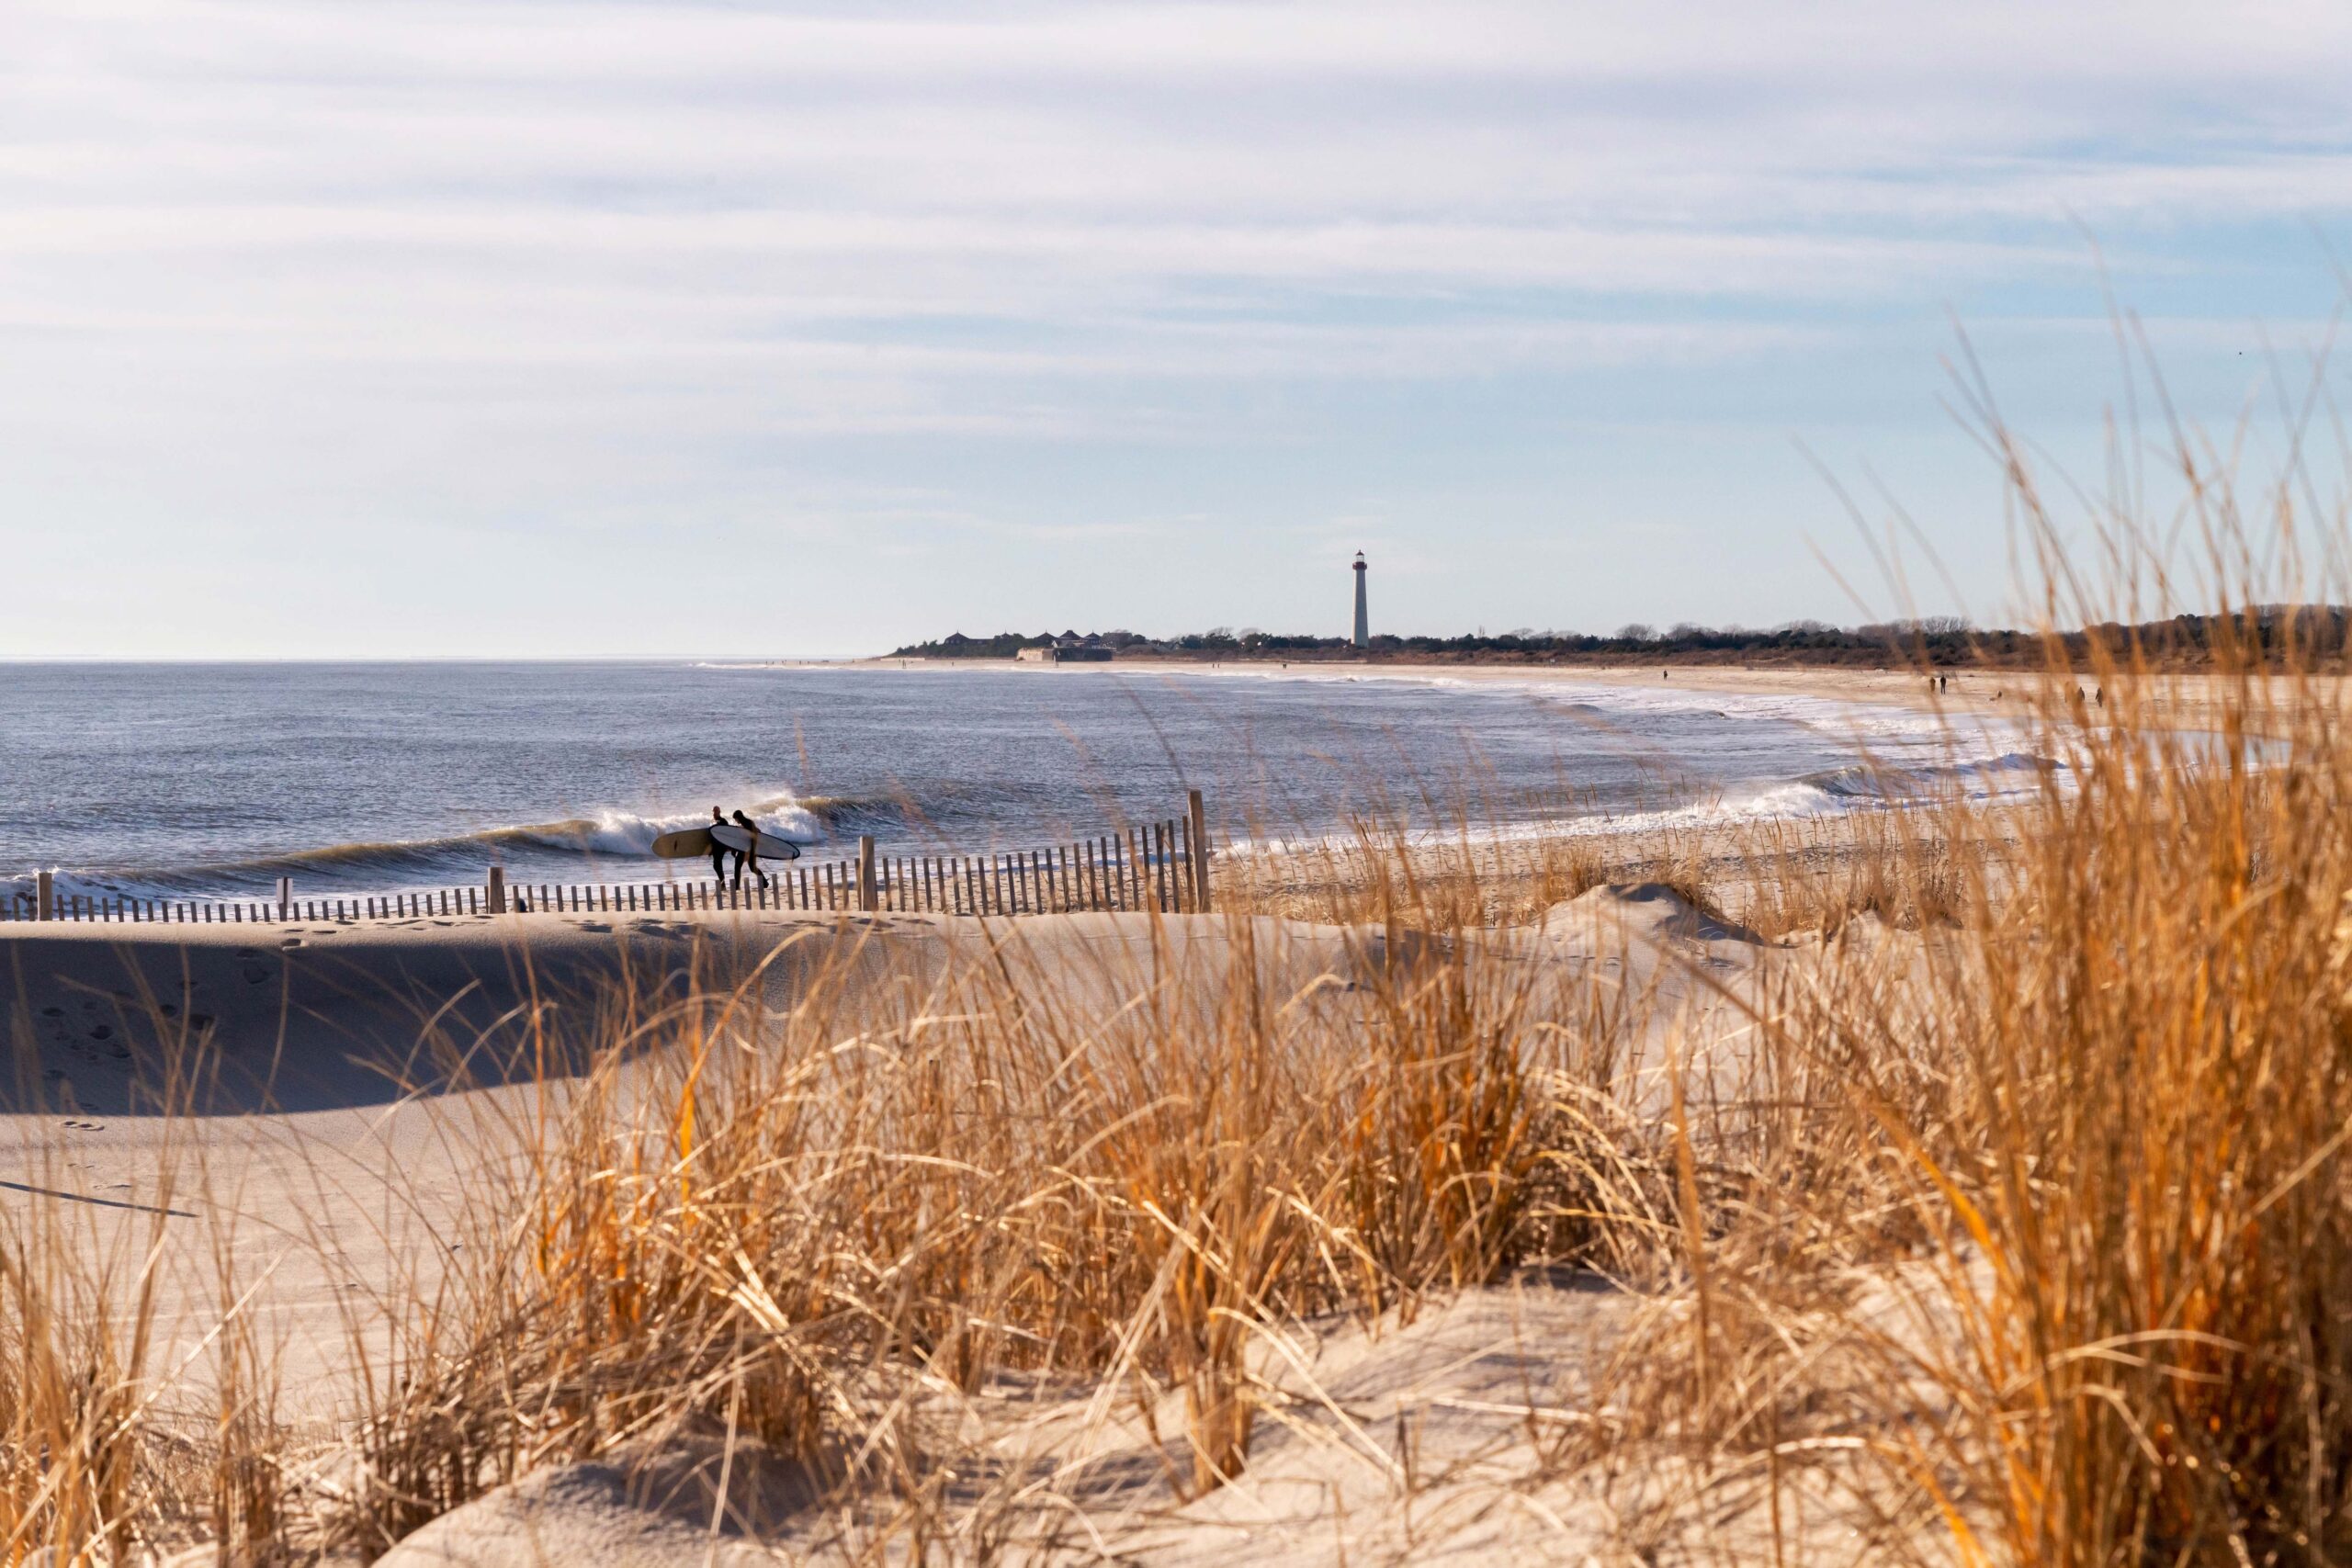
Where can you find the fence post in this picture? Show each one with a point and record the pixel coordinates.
(285, 897)
(1200, 837)
(498, 890)
(865, 891)
(45, 895)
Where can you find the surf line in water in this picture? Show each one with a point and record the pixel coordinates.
(557, 848)
(1861, 788)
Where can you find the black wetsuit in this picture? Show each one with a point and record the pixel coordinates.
(750, 855)
(718, 853)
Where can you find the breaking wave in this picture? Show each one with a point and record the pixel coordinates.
(2003, 775)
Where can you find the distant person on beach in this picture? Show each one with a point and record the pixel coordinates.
(752, 855)
(718, 850)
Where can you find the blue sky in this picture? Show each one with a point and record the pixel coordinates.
(361, 328)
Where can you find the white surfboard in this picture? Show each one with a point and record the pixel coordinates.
(686, 843)
(731, 836)
(694, 843)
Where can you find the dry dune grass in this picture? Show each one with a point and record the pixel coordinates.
(805, 1227)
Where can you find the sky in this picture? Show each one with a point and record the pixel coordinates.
(395, 328)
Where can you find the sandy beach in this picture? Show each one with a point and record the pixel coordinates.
(341, 1096)
(2172, 701)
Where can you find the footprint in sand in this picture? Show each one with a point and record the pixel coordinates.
(86, 1126)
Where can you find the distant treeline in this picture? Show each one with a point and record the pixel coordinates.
(2188, 641)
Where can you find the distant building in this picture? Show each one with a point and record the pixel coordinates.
(1068, 649)
(1363, 620)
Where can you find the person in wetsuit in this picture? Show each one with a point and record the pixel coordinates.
(719, 851)
(750, 855)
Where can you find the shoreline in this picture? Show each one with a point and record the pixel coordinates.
(2181, 700)
(1884, 688)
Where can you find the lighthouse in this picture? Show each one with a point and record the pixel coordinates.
(1364, 621)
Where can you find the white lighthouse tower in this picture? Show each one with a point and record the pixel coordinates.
(1364, 621)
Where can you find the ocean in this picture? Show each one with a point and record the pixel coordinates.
(198, 780)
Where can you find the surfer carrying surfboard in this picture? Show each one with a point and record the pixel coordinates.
(718, 850)
(750, 853)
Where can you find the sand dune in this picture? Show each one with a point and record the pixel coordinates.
(341, 1088)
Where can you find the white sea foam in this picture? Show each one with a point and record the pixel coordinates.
(1838, 792)
(613, 832)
